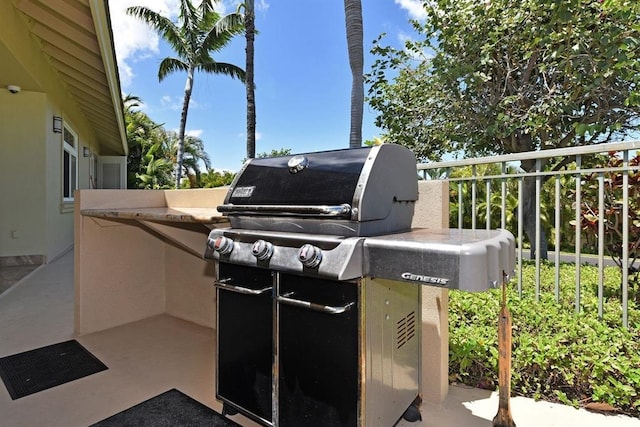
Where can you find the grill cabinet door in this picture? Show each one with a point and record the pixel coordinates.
(319, 369)
(245, 340)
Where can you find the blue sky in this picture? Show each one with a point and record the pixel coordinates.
(302, 75)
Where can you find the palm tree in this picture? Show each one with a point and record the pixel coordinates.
(194, 155)
(353, 21)
(250, 29)
(201, 31)
(142, 134)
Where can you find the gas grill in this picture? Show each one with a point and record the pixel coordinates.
(318, 296)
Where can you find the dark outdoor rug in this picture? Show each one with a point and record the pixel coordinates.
(169, 409)
(40, 369)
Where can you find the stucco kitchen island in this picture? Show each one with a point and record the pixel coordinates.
(138, 253)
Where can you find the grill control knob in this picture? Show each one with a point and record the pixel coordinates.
(310, 256)
(262, 250)
(223, 245)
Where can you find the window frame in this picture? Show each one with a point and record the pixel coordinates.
(69, 183)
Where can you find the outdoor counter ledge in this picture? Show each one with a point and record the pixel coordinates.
(186, 215)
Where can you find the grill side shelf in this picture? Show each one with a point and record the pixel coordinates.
(470, 260)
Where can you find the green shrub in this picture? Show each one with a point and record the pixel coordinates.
(558, 355)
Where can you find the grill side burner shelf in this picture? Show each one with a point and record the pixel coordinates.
(319, 298)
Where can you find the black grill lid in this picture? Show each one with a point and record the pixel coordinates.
(369, 184)
(330, 178)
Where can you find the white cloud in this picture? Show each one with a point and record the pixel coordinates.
(132, 38)
(404, 37)
(243, 135)
(194, 132)
(414, 7)
(262, 5)
(168, 102)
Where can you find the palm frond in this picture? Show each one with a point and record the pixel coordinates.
(170, 65)
(188, 16)
(159, 23)
(205, 7)
(223, 68)
(223, 31)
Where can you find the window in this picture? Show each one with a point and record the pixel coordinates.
(69, 164)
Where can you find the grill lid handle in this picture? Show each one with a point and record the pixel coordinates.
(304, 210)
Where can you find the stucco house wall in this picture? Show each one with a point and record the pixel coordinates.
(22, 173)
(34, 219)
(36, 224)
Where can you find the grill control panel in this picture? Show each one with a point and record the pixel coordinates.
(325, 256)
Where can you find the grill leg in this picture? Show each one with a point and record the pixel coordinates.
(412, 414)
(228, 410)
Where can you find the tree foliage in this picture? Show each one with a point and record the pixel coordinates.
(217, 178)
(506, 76)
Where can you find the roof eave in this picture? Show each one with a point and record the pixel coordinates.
(102, 22)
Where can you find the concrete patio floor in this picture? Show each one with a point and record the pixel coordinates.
(154, 355)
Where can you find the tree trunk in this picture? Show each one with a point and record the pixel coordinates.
(183, 125)
(353, 21)
(249, 79)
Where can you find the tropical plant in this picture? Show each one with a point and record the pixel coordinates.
(495, 198)
(558, 355)
(156, 166)
(194, 156)
(147, 150)
(217, 179)
(201, 31)
(612, 212)
(353, 22)
(498, 77)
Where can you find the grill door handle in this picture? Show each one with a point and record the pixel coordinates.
(315, 306)
(242, 290)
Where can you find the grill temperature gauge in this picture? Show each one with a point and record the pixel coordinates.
(310, 256)
(223, 245)
(262, 250)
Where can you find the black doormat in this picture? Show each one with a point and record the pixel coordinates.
(40, 369)
(169, 409)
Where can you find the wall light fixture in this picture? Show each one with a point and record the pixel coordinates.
(57, 124)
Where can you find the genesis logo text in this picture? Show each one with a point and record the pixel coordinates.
(438, 281)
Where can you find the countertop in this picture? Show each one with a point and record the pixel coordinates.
(170, 214)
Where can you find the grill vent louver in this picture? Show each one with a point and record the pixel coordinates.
(406, 329)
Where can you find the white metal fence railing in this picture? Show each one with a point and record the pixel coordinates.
(483, 196)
